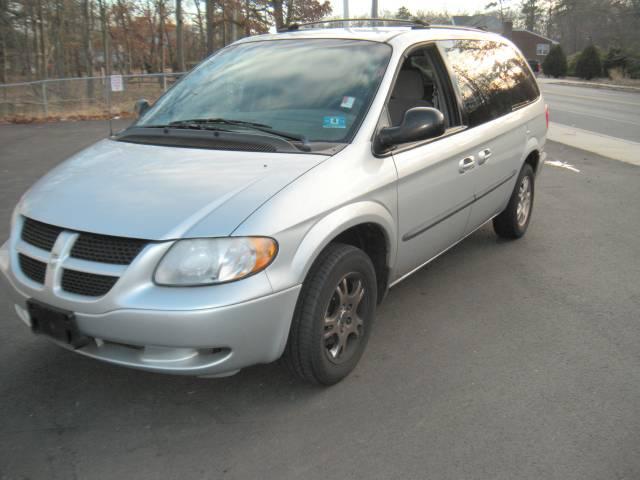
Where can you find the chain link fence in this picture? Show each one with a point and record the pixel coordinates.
(80, 97)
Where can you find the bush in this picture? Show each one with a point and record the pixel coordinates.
(615, 62)
(555, 63)
(571, 64)
(589, 65)
(633, 68)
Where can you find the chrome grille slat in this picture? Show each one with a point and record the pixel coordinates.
(32, 251)
(109, 269)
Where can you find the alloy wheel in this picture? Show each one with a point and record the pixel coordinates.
(343, 321)
(524, 201)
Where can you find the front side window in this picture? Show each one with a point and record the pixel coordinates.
(316, 89)
(492, 78)
(419, 84)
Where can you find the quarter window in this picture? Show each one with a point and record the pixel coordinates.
(492, 78)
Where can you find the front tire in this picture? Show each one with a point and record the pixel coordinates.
(513, 222)
(333, 316)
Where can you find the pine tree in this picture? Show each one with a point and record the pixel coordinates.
(589, 64)
(403, 13)
(531, 12)
(555, 63)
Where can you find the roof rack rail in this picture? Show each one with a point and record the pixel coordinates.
(414, 24)
(459, 27)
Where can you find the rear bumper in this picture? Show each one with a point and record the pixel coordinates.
(204, 342)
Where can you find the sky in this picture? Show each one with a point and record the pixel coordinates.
(363, 7)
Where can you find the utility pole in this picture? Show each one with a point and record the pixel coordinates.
(374, 8)
(345, 8)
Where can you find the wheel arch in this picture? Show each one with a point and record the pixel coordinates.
(367, 225)
(532, 155)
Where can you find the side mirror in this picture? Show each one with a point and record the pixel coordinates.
(419, 123)
(141, 107)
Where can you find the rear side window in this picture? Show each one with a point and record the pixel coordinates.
(493, 78)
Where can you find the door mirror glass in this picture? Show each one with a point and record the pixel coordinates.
(419, 123)
(141, 107)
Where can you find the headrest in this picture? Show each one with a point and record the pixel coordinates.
(409, 85)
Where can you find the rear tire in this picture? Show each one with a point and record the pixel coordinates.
(513, 222)
(333, 316)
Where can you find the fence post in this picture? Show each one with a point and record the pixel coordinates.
(44, 99)
(107, 94)
(164, 82)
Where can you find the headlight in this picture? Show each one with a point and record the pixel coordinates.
(214, 260)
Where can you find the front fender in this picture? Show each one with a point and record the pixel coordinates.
(292, 267)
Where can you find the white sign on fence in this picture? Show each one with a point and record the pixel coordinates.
(116, 83)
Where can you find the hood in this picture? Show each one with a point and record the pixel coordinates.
(160, 193)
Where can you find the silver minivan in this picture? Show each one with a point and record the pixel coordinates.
(266, 203)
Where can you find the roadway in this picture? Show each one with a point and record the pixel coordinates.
(604, 111)
(500, 360)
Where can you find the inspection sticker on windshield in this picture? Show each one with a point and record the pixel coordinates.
(347, 102)
(334, 122)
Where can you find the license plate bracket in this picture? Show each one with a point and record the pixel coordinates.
(55, 323)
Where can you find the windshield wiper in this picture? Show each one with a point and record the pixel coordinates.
(203, 123)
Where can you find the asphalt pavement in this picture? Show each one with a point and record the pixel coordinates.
(600, 110)
(500, 360)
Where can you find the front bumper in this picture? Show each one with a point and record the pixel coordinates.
(204, 341)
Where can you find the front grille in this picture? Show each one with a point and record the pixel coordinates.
(40, 234)
(106, 249)
(92, 247)
(33, 269)
(88, 284)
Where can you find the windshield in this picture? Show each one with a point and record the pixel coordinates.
(315, 89)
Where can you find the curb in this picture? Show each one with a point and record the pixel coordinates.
(611, 147)
(603, 86)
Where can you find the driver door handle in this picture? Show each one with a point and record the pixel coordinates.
(483, 156)
(466, 164)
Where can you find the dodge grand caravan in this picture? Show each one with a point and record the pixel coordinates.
(265, 204)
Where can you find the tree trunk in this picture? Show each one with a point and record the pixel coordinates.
(35, 46)
(278, 14)
(106, 51)
(210, 29)
(3, 54)
(4, 34)
(86, 45)
(201, 29)
(27, 51)
(290, 12)
(179, 37)
(44, 70)
(161, 35)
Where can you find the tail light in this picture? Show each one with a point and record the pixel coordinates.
(546, 114)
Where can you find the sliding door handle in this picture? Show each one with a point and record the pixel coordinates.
(483, 156)
(466, 164)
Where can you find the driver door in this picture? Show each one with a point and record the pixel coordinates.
(435, 181)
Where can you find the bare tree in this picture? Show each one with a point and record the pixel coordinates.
(179, 37)
(210, 28)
